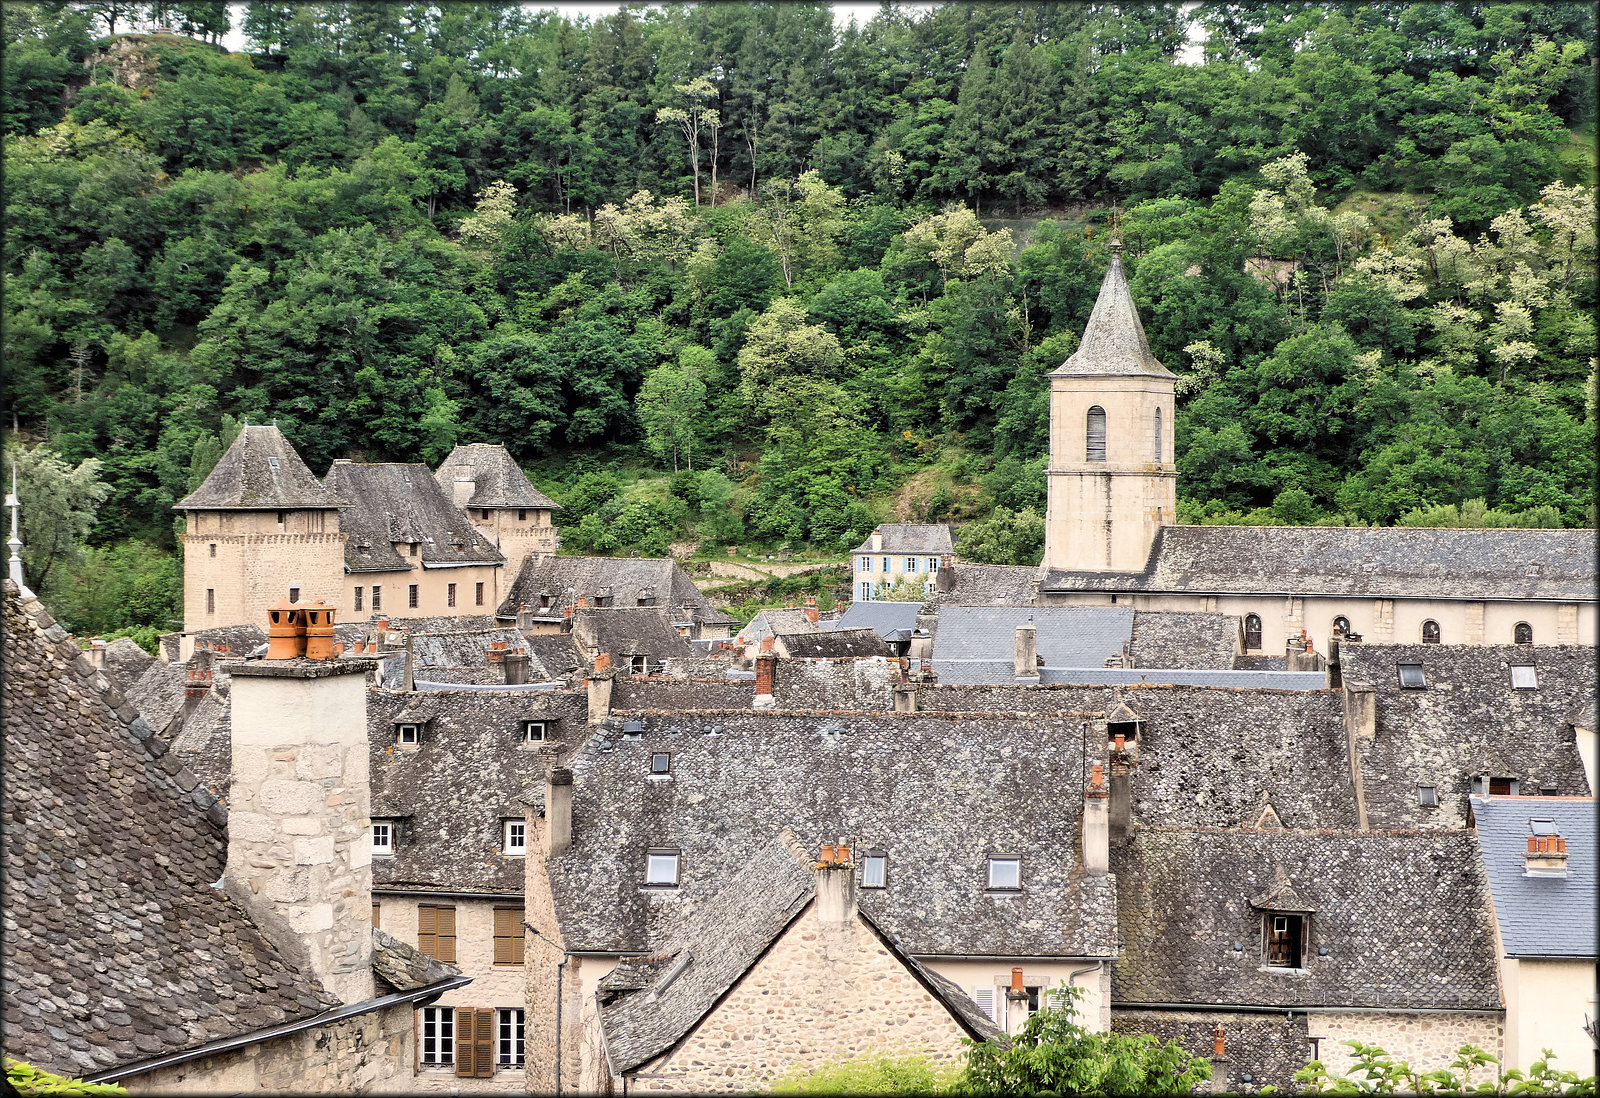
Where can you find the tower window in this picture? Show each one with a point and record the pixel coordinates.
(1341, 625)
(479, 594)
(377, 597)
(1523, 634)
(522, 515)
(358, 598)
(294, 594)
(213, 548)
(411, 596)
(281, 516)
(1158, 434)
(1097, 434)
(450, 594)
(211, 600)
(1430, 632)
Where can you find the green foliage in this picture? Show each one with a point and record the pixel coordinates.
(1054, 1055)
(28, 1079)
(1374, 1071)
(1005, 537)
(879, 1075)
(59, 502)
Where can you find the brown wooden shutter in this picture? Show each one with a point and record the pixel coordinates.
(428, 930)
(508, 936)
(464, 1041)
(447, 934)
(375, 909)
(484, 1045)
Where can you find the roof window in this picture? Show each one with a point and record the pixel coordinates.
(272, 461)
(1411, 676)
(534, 731)
(515, 837)
(383, 837)
(408, 735)
(660, 764)
(1005, 873)
(661, 869)
(1283, 936)
(1524, 676)
(874, 870)
(1428, 795)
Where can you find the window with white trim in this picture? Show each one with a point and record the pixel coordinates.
(661, 869)
(1005, 872)
(874, 871)
(438, 1037)
(508, 1051)
(866, 564)
(408, 734)
(911, 565)
(382, 838)
(516, 836)
(533, 731)
(1524, 676)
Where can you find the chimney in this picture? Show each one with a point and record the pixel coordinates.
(946, 581)
(299, 812)
(1096, 832)
(1360, 712)
(516, 667)
(600, 680)
(905, 699)
(811, 609)
(464, 485)
(558, 810)
(1583, 734)
(195, 689)
(1219, 1062)
(524, 618)
(836, 886)
(319, 631)
(1027, 654)
(1016, 1002)
(409, 683)
(877, 541)
(286, 631)
(1121, 806)
(566, 619)
(766, 675)
(1546, 856)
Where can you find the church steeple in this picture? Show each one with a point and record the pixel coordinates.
(1112, 481)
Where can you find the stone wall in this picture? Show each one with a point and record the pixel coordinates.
(822, 993)
(1427, 1042)
(253, 570)
(1268, 1047)
(366, 1054)
(433, 590)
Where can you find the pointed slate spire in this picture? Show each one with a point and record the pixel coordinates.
(260, 472)
(1113, 342)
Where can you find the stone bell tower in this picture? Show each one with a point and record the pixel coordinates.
(1112, 480)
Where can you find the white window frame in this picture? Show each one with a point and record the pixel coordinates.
(933, 564)
(408, 735)
(436, 1037)
(997, 861)
(866, 591)
(878, 862)
(383, 838)
(864, 564)
(514, 837)
(535, 731)
(510, 1049)
(1528, 680)
(911, 566)
(656, 863)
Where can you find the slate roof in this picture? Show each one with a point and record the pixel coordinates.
(1404, 917)
(1163, 638)
(1374, 563)
(563, 579)
(203, 742)
(498, 480)
(463, 650)
(557, 653)
(1467, 722)
(158, 693)
(938, 795)
(259, 472)
(403, 967)
(893, 621)
(116, 947)
(1540, 916)
(235, 640)
(835, 643)
(777, 620)
(629, 631)
(1067, 636)
(1114, 342)
(125, 662)
(389, 503)
(910, 538)
(645, 1015)
(468, 774)
(985, 585)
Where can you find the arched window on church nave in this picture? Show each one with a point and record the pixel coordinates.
(1523, 633)
(1341, 625)
(1430, 632)
(1158, 434)
(1096, 450)
(1252, 632)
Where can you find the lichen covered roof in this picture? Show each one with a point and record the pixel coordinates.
(562, 580)
(629, 631)
(497, 479)
(1114, 343)
(386, 504)
(259, 472)
(916, 538)
(833, 643)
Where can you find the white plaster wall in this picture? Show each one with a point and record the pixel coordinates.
(1546, 1004)
(1094, 1008)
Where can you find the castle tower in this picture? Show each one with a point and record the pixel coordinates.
(517, 518)
(260, 527)
(1112, 480)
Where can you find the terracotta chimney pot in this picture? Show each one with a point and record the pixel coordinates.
(1219, 1044)
(826, 857)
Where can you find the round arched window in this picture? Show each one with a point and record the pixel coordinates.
(1252, 632)
(1523, 633)
(1096, 449)
(1341, 625)
(1430, 632)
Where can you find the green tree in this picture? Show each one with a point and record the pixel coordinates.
(670, 404)
(59, 502)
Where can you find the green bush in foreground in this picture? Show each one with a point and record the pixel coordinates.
(1376, 1072)
(28, 1079)
(883, 1075)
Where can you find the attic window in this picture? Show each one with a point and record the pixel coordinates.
(1503, 787)
(522, 514)
(661, 763)
(661, 869)
(382, 838)
(515, 837)
(638, 664)
(413, 548)
(1005, 873)
(1524, 676)
(533, 731)
(1283, 939)
(874, 871)
(1411, 676)
(409, 734)
(1428, 795)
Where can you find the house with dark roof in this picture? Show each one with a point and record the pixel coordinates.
(1539, 856)
(788, 619)
(899, 555)
(548, 586)
(135, 949)
(482, 479)
(830, 644)
(638, 638)
(895, 622)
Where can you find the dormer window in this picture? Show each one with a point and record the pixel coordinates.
(1283, 939)
(383, 838)
(874, 871)
(1411, 676)
(514, 837)
(638, 664)
(408, 735)
(661, 869)
(1428, 796)
(412, 548)
(1005, 873)
(1524, 676)
(660, 764)
(534, 731)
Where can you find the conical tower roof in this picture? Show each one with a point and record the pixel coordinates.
(1113, 342)
(260, 472)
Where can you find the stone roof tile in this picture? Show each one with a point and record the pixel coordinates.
(496, 478)
(392, 503)
(1113, 343)
(259, 472)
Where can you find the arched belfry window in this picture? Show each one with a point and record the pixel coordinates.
(1252, 632)
(1097, 434)
(1430, 632)
(1523, 633)
(1341, 625)
(1158, 434)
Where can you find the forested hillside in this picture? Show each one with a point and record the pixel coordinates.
(730, 273)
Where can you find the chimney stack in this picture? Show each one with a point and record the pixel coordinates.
(524, 619)
(1027, 654)
(1546, 856)
(558, 810)
(516, 667)
(464, 486)
(1096, 826)
(811, 609)
(1219, 1062)
(766, 675)
(877, 541)
(1360, 712)
(566, 619)
(836, 886)
(600, 680)
(195, 689)
(946, 580)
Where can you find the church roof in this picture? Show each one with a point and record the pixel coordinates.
(1114, 344)
(260, 472)
(498, 481)
(1397, 562)
(393, 503)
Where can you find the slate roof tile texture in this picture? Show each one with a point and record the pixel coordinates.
(563, 579)
(629, 631)
(1375, 563)
(393, 503)
(1163, 638)
(833, 644)
(404, 967)
(1540, 916)
(891, 620)
(116, 947)
(498, 481)
(1114, 343)
(259, 472)
(125, 662)
(913, 538)
(1404, 917)
(986, 585)
(972, 642)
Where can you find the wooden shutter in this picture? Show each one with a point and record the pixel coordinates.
(984, 997)
(483, 1045)
(464, 1041)
(447, 934)
(508, 936)
(428, 930)
(375, 909)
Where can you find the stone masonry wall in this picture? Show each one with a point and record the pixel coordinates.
(823, 993)
(251, 571)
(1426, 1041)
(366, 1054)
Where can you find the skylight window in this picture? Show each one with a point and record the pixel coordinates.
(874, 871)
(1427, 795)
(533, 731)
(661, 869)
(408, 734)
(1005, 873)
(661, 763)
(1524, 676)
(1411, 676)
